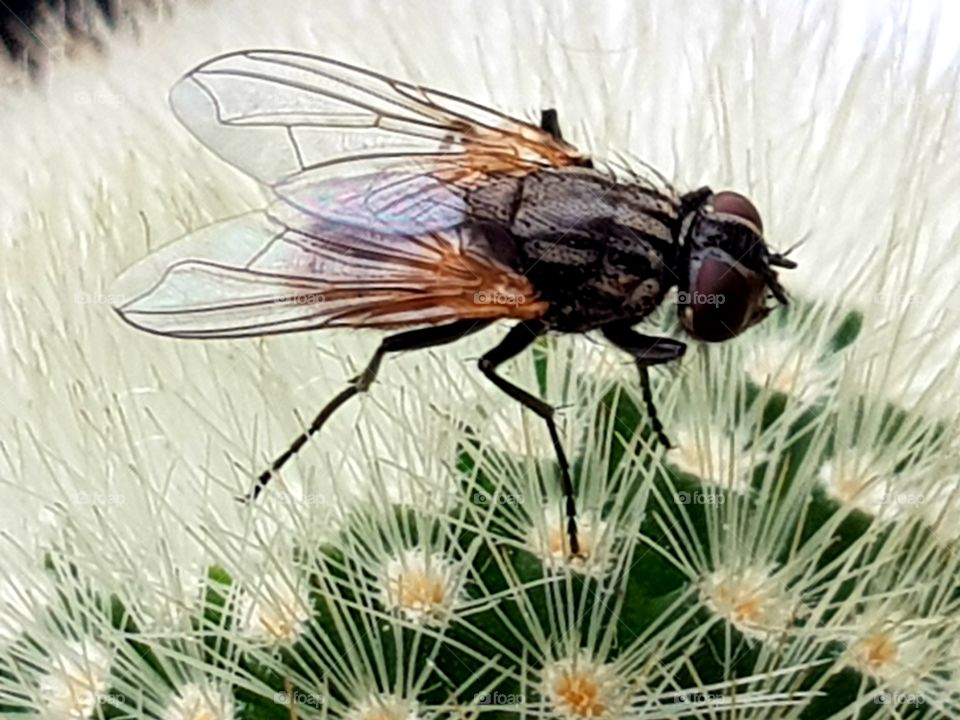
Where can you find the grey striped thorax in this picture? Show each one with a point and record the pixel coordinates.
(596, 249)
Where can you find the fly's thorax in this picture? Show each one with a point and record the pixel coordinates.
(580, 218)
(577, 199)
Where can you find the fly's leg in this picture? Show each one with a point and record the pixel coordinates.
(519, 338)
(646, 351)
(651, 407)
(409, 340)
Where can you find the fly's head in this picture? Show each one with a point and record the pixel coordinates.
(726, 270)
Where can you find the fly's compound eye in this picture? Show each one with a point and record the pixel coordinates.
(731, 203)
(721, 301)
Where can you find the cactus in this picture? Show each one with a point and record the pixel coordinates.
(763, 568)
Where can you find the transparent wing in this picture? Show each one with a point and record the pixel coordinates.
(279, 271)
(291, 120)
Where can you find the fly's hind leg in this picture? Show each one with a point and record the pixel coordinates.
(409, 340)
(646, 351)
(520, 337)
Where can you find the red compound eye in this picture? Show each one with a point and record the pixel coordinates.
(719, 302)
(731, 203)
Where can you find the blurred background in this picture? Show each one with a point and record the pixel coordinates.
(20, 18)
(22, 22)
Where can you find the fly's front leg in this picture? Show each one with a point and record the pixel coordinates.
(646, 351)
(519, 338)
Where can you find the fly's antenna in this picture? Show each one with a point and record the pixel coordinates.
(781, 260)
(770, 276)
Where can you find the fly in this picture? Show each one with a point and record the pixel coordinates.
(402, 207)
